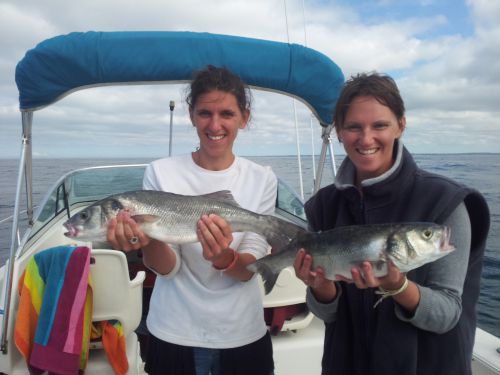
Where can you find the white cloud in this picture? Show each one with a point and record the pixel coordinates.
(450, 82)
(486, 13)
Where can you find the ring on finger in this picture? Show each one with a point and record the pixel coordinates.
(133, 240)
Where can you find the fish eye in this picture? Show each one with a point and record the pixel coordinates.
(115, 205)
(427, 233)
(84, 215)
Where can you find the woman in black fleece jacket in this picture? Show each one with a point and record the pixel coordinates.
(428, 325)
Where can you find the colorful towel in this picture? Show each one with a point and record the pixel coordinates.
(113, 341)
(53, 325)
(55, 308)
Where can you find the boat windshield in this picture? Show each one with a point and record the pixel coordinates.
(85, 186)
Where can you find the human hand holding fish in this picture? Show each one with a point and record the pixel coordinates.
(215, 235)
(364, 277)
(394, 284)
(323, 289)
(125, 234)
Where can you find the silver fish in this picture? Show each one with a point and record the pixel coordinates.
(337, 251)
(172, 218)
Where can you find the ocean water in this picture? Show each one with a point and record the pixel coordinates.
(475, 170)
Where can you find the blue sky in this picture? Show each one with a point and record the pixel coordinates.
(443, 54)
(457, 18)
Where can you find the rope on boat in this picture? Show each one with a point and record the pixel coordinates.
(297, 140)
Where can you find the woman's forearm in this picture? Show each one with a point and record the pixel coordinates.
(159, 257)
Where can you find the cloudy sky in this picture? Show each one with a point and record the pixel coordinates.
(444, 55)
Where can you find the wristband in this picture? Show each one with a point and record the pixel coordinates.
(230, 265)
(384, 293)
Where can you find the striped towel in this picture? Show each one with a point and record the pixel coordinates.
(53, 322)
(113, 341)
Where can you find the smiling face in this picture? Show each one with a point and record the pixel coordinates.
(368, 133)
(217, 118)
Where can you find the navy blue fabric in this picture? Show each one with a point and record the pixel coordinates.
(255, 358)
(69, 62)
(207, 361)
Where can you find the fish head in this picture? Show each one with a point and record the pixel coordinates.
(412, 245)
(91, 223)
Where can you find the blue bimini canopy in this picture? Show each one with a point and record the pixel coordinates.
(63, 64)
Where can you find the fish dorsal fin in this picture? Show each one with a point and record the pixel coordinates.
(222, 195)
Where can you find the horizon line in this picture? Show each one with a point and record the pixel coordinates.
(244, 156)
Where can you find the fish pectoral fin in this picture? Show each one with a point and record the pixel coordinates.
(356, 264)
(380, 265)
(145, 219)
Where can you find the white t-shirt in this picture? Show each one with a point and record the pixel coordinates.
(197, 305)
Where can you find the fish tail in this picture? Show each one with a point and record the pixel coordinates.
(268, 276)
(279, 232)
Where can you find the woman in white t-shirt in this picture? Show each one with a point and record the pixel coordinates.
(206, 312)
